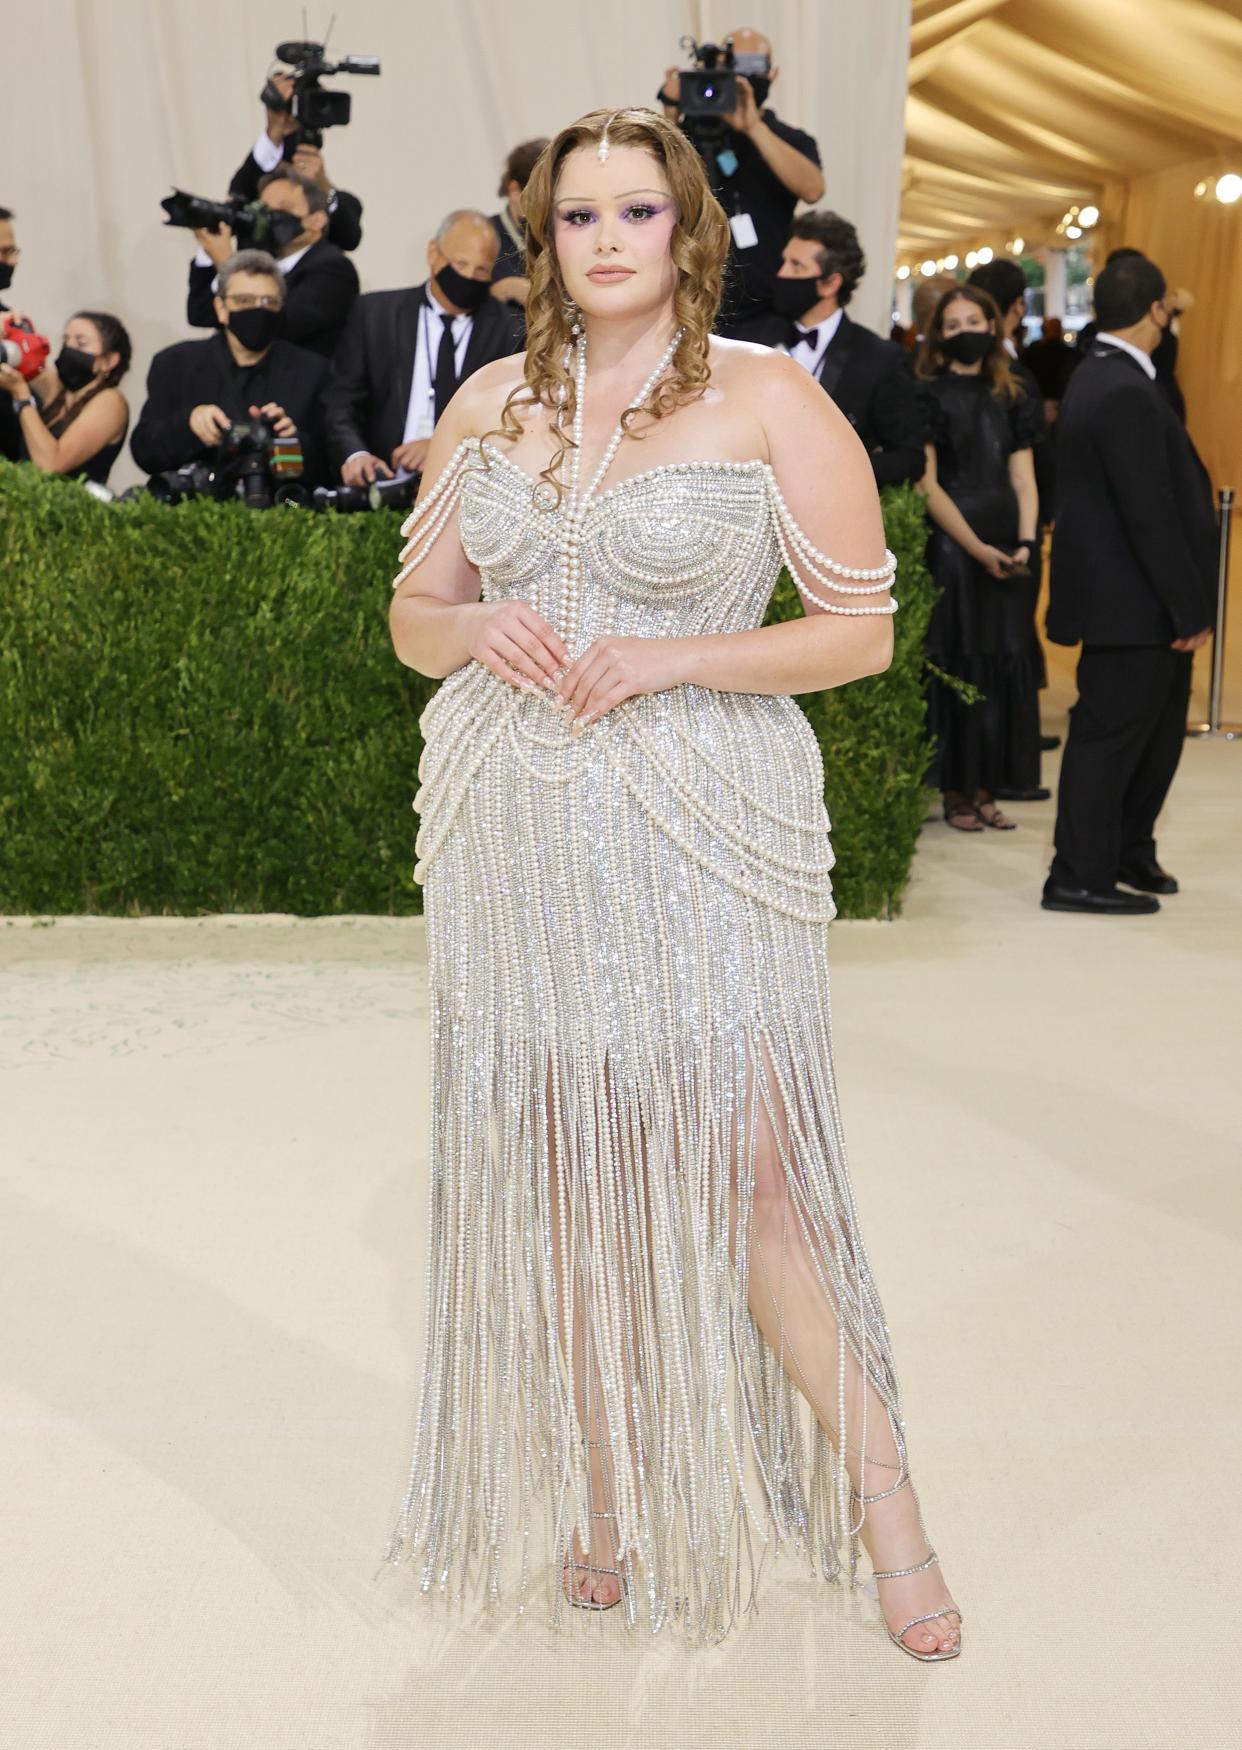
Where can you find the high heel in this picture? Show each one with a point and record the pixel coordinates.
(900, 1574)
(624, 1595)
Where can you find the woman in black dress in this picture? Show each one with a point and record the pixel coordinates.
(73, 417)
(981, 495)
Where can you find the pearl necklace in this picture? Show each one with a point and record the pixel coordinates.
(569, 570)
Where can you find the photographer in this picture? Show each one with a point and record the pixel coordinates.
(320, 282)
(759, 172)
(282, 142)
(870, 379)
(10, 254)
(403, 354)
(77, 425)
(509, 282)
(197, 388)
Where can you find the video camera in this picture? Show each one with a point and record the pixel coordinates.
(709, 91)
(253, 225)
(315, 108)
(251, 463)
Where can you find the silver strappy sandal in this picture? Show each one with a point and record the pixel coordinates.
(593, 1568)
(949, 1609)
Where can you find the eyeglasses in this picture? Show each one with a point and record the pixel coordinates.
(253, 301)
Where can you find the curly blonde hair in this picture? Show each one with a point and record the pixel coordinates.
(699, 247)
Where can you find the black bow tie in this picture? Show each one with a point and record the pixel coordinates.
(796, 336)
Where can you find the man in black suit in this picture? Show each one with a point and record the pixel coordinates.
(1132, 579)
(403, 354)
(10, 253)
(321, 284)
(283, 142)
(871, 380)
(197, 388)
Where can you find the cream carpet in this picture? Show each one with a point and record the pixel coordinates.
(212, 1276)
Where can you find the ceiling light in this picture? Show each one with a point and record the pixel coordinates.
(903, 272)
(950, 262)
(1228, 188)
(928, 269)
(1073, 230)
(1089, 216)
(972, 259)
(985, 255)
(1018, 245)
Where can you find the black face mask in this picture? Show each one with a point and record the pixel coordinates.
(6, 275)
(74, 367)
(467, 294)
(257, 328)
(794, 297)
(968, 347)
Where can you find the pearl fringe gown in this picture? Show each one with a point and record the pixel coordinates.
(626, 944)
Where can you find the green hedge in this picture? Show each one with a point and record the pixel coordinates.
(201, 711)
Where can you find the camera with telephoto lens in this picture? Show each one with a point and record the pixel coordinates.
(21, 346)
(314, 108)
(254, 226)
(251, 463)
(379, 495)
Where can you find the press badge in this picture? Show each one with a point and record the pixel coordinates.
(727, 160)
(743, 229)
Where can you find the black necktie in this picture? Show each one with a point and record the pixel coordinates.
(796, 335)
(445, 384)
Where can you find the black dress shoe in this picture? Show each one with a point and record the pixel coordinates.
(1148, 877)
(1040, 793)
(1059, 897)
(1048, 742)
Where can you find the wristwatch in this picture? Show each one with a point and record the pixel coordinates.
(28, 401)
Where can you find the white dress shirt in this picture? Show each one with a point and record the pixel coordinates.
(810, 353)
(1135, 352)
(267, 155)
(420, 410)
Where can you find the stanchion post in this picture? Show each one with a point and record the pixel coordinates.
(1216, 688)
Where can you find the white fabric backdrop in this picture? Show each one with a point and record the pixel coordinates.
(125, 98)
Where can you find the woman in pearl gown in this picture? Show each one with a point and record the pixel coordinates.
(654, 1348)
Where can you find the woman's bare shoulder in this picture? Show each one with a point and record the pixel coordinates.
(785, 400)
(484, 393)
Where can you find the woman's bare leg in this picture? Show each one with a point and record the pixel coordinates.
(788, 1302)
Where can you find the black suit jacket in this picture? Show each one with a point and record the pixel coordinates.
(368, 391)
(344, 216)
(191, 372)
(319, 294)
(1133, 547)
(11, 446)
(872, 382)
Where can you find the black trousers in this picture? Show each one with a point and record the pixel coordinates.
(1125, 738)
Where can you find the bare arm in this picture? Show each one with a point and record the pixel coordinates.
(437, 621)
(97, 424)
(801, 175)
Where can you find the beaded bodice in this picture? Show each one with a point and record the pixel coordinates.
(682, 548)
